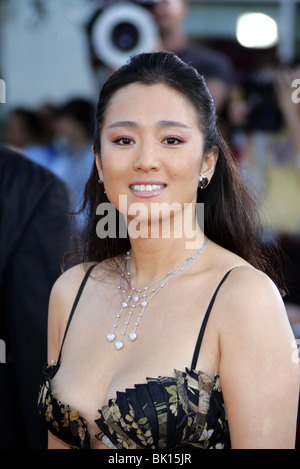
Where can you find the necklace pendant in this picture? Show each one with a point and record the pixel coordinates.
(132, 336)
(110, 337)
(119, 345)
(142, 297)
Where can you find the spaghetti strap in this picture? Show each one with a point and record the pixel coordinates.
(85, 278)
(203, 326)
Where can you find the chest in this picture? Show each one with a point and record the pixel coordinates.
(93, 371)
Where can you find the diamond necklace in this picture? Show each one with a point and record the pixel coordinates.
(138, 299)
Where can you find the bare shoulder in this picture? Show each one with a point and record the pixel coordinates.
(63, 294)
(251, 305)
(66, 287)
(62, 297)
(69, 281)
(250, 288)
(257, 368)
(246, 280)
(246, 288)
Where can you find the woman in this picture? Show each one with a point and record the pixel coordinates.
(129, 371)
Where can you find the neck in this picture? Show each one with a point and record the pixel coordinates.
(151, 258)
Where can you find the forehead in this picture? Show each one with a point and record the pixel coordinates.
(150, 101)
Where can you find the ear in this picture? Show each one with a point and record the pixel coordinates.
(98, 163)
(209, 162)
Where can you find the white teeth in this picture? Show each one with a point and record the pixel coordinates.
(148, 187)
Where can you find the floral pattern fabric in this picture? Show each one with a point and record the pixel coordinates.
(183, 411)
(60, 419)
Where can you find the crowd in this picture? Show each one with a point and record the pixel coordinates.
(262, 124)
(57, 138)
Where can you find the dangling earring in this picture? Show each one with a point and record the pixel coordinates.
(203, 181)
(101, 185)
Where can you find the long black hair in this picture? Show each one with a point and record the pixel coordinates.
(231, 217)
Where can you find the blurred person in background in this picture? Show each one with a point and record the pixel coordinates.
(47, 114)
(34, 233)
(57, 138)
(74, 129)
(25, 132)
(266, 138)
(265, 135)
(290, 237)
(215, 66)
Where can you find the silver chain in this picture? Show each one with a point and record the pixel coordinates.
(140, 298)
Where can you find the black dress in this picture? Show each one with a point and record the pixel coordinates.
(184, 411)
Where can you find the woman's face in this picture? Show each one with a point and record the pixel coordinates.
(151, 147)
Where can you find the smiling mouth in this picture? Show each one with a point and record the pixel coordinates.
(147, 190)
(146, 187)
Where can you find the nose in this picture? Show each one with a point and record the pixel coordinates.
(147, 159)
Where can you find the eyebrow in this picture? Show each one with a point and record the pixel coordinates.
(123, 124)
(172, 124)
(162, 123)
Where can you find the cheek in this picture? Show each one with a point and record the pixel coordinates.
(113, 167)
(188, 166)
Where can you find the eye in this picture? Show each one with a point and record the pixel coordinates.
(173, 141)
(123, 141)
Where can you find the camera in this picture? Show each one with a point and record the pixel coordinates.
(119, 29)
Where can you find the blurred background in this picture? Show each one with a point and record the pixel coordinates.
(55, 55)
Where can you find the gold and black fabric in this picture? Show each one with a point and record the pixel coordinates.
(184, 411)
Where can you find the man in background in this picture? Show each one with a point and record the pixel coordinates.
(34, 233)
(215, 66)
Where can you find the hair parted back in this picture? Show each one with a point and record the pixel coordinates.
(231, 217)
